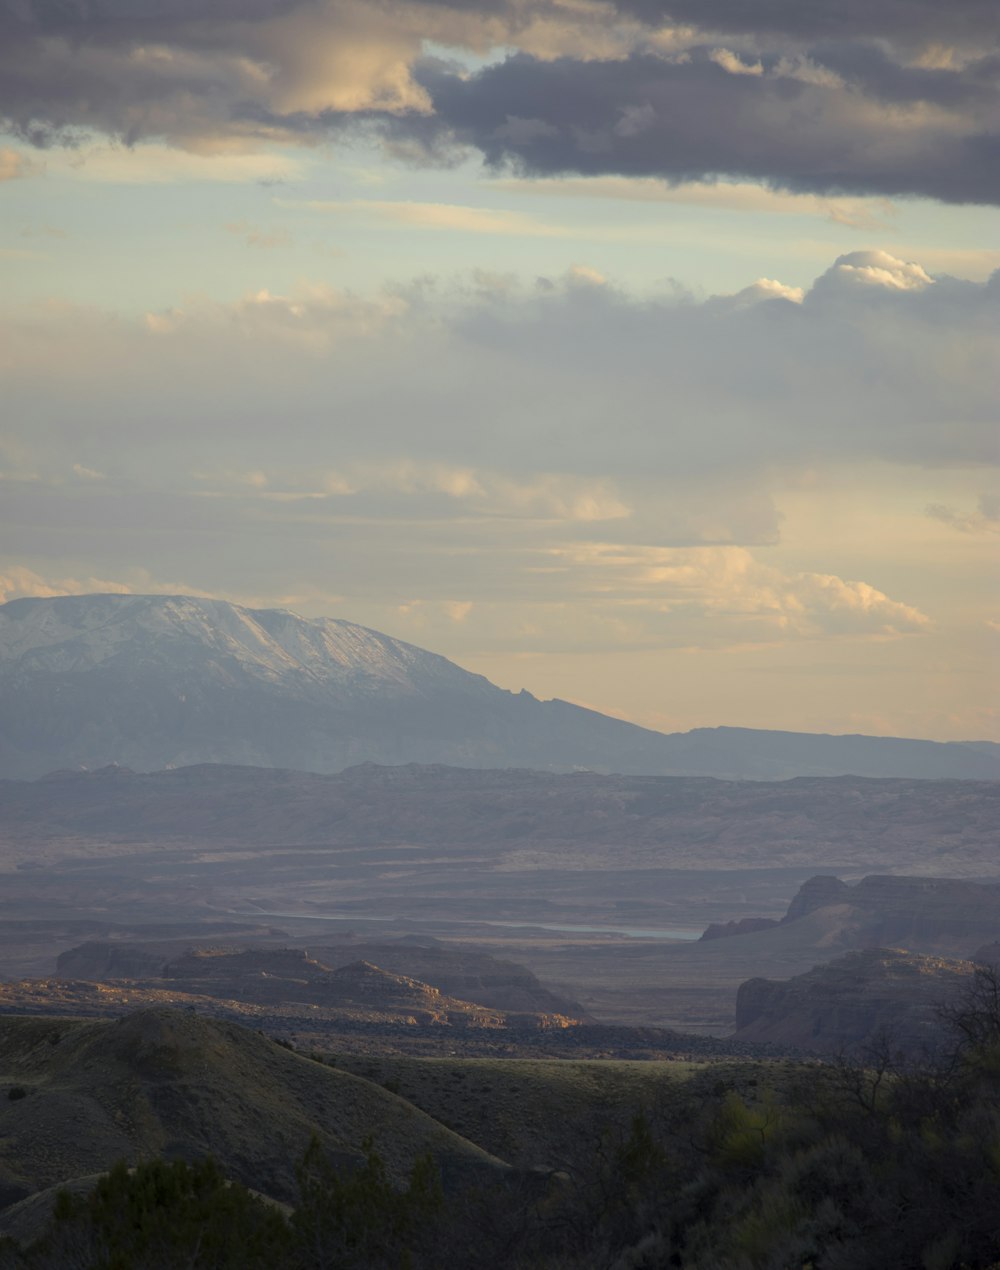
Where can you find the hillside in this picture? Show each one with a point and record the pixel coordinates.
(167, 1082)
(150, 682)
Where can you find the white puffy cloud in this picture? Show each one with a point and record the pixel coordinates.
(875, 269)
(674, 592)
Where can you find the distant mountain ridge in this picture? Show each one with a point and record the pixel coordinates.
(151, 682)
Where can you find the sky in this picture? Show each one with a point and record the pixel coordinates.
(642, 354)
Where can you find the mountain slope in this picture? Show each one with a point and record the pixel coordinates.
(165, 681)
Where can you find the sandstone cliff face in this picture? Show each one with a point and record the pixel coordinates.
(852, 1002)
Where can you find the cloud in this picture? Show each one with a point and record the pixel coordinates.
(727, 195)
(585, 467)
(876, 270)
(203, 81)
(14, 165)
(16, 582)
(473, 440)
(450, 217)
(494, 466)
(985, 518)
(569, 378)
(857, 123)
(869, 104)
(148, 163)
(923, 21)
(388, 487)
(728, 60)
(677, 589)
(254, 236)
(459, 610)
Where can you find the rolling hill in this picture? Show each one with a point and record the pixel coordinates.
(166, 1082)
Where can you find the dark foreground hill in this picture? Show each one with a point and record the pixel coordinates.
(163, 1082)
(165, 681)
(719, 1166)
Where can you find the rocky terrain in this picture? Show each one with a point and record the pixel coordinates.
(693, 985)
(881, 998)
(330, 976)
(912, 941)
(166, 681)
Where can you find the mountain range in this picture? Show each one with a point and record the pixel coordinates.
(151, 682)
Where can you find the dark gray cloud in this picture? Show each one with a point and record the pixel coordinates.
(774, 92)
(908, 20)
(885, 130)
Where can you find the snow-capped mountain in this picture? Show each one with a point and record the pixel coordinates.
(166, 681)
(186, 634)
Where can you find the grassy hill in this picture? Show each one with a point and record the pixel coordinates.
(530, 1112)
(162, 1082)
